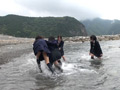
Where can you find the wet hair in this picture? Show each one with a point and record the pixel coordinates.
(93, 37)
(60, 37)
(38, 37)
(51, 38)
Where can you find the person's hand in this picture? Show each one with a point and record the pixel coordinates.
(101, 55)
(89, 53)
(63, 58)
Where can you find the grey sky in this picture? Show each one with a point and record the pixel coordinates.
(80, 9)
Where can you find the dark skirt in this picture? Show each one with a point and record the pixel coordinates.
(54, 55)
(62, 53)
(40, 45)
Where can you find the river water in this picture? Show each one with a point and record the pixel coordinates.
(22, 73)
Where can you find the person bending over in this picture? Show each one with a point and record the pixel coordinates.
(42, 52)
(95, 49)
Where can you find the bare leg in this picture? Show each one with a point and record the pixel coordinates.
(59, 62)
(99, 58)
(63, 58)
(58, 66)
(92, 56)
(48, 62)
(46, 58)
(38, 55)
(38, 61)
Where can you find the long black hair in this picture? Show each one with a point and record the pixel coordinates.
(60, 37)
(93, 37)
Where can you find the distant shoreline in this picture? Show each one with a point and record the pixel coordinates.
(86, 38)
(10, 40)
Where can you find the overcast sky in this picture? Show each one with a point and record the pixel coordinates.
(80, 9)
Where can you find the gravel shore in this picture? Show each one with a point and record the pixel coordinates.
(12, 47)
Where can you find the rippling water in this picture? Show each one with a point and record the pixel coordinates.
(22, 72)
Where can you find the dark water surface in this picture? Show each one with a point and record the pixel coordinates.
(22, 73)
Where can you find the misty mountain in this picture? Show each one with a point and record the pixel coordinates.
(115, 27)
(21, 26)
(99, 26)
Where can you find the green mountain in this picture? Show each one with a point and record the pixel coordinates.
(97, 26)
(115, 27)
(102, 27)
(21, 26)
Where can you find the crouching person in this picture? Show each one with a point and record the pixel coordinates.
(95, 49)
(42, 52)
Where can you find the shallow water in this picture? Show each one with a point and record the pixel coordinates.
(22, 73)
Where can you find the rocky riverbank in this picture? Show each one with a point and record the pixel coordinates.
(86, 38)
(12, 47)
(10, 40)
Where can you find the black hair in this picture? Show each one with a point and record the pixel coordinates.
(93, 37)
(51, 38)
(60, 37)
(38, 37)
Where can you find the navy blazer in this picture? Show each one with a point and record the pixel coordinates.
(52, 45)
(95, 48)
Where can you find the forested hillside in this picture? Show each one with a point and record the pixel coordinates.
(102, 27)
(21, 26)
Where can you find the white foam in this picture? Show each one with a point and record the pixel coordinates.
(85, 57)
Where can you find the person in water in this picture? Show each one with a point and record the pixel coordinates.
(60, 44)
(95, 49)
(55, 55)
(42, 52)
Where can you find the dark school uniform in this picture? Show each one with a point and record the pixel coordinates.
(95, 49)
(60, 45)
(40, 46)
(55, 54)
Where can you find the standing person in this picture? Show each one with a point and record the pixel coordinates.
(95, 49)
(55, 55)
(41, 52)
(60, 43)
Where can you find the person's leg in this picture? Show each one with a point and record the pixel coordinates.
(48, 62)
(99, 58)
(63, 58)
(59, 61)
(58, 66)
(38, 55)
(46, 58)
(38, 61)
(92, 56)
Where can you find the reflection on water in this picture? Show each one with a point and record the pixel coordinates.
(79, 72)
